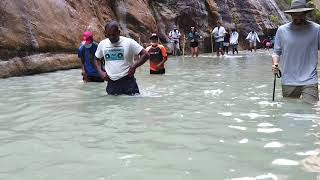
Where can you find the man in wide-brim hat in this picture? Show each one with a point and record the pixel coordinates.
(296, 48)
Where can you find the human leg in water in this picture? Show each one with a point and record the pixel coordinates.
(192, 52)
(196, 51)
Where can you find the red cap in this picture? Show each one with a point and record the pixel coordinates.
(87, 37)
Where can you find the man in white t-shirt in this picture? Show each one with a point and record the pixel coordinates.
(118, 53)
(218, 33)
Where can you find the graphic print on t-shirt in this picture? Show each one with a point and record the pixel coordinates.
(114, 54)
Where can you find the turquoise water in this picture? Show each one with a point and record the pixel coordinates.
(207, 118)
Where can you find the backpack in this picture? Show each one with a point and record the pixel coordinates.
(91, 54)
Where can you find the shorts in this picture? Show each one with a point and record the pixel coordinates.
(161, 71)
(225, 44)
(126, 85)
(194, 44)
(309, 93)
(175, 44)
(253, 43)
(219, 45)
(234, 46)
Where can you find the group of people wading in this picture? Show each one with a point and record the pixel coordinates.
(295, 51)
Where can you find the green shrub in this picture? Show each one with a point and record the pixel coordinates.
(275, 20)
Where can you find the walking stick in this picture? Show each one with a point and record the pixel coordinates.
(211, 44)
(184, 44)
(277, 75)
(274, 86)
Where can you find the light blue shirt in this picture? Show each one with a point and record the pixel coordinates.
(298, 48)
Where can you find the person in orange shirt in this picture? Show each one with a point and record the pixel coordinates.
(158, 56)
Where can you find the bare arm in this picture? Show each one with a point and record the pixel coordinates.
(164, 55)
(83, 70)
(83, 73)
(275, 63)
(97, 64)
(144, 56)
(163, 61)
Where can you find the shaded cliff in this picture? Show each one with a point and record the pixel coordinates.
(56, 25)
(29, 27)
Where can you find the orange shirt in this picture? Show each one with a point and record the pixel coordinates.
(157, 55)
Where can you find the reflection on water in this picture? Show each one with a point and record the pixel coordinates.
(207, 118)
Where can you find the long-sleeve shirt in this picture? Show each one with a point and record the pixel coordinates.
(253, 37)
(218, 33)
(234, 38)
(298, 48)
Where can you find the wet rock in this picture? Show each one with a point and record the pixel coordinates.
(39, 63)
(57, 25)
(48, 25)
(38, 26)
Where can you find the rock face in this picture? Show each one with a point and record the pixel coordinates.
(39, 63)
(39, 26)
(56, 25)
(48, 25)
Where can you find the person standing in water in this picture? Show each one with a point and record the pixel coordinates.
(253, 38)
(218, 33)
(174, 36)
(226, 42)
(234, 39)
(118, 53)
(194, 37)
(158, 55)
(296, 49)
(86, 53)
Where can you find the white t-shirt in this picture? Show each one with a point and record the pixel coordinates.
(118, 56)
(219, 33)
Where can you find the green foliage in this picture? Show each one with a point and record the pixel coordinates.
(311, 4)
(235, 17)
(275, 20)
(284, 4)
(315, 15)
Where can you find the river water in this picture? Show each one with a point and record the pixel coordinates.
(207, 119)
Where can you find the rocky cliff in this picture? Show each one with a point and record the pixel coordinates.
(38, 26)
(56, 25)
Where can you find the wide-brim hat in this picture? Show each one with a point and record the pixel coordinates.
(299, 6)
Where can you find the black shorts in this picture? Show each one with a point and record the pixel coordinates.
(126, 85)
(219, 45)
(194, 44)
(94, 79)
(161, 71)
